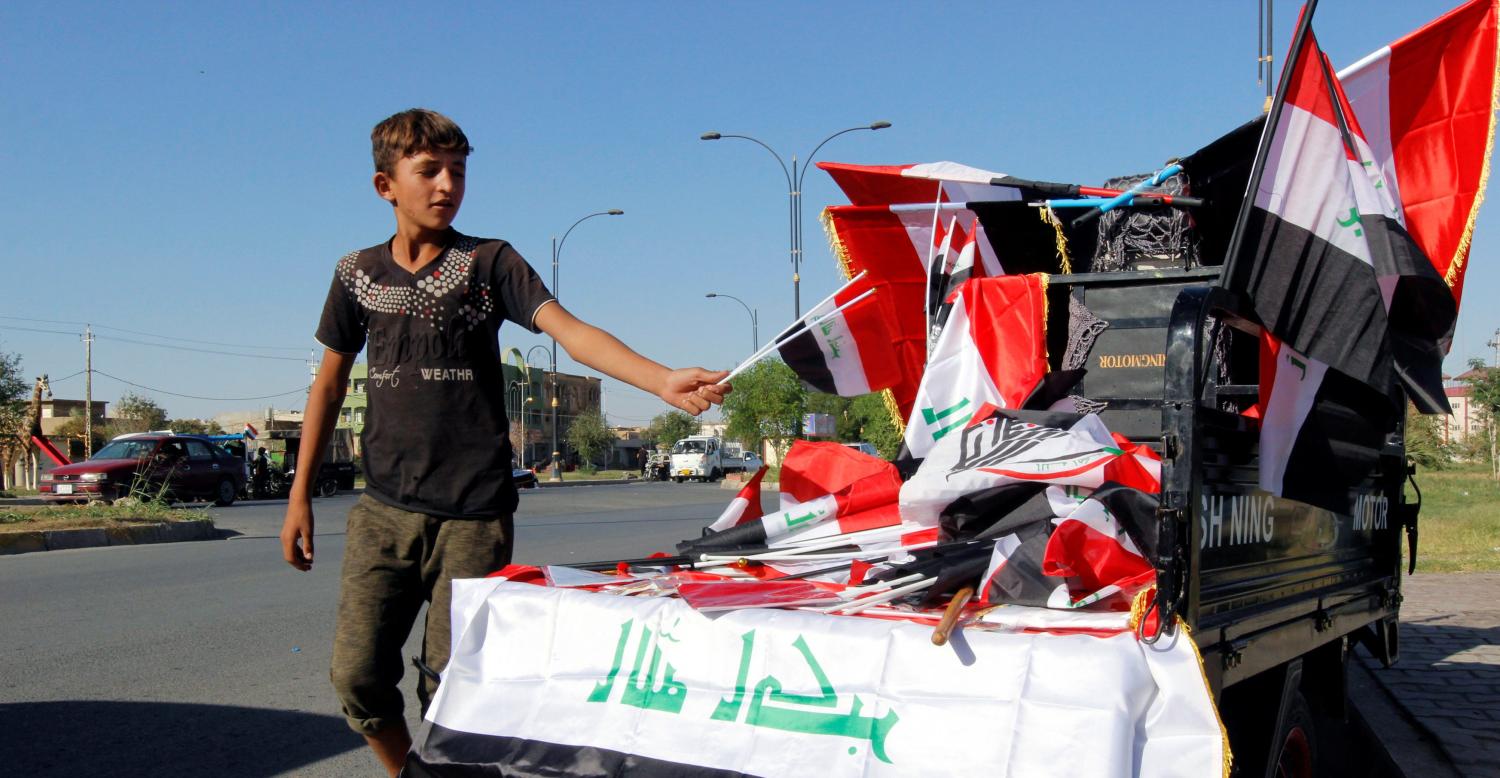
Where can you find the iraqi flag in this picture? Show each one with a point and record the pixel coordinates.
(744, 507)
(844, 346)
(888, 233)
(250, 432)
(1000, 451)
(824, 485)
(1427, 106)
(1322, 254)
(1097, 549)
(951, 266)
(562, 682)
(1321, 432)
(920, 183)
(991, 351)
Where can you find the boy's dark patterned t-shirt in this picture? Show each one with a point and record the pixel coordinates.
(436, 439)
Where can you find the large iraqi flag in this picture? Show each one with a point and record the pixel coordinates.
(561, 682)
(1321, 251)
(1427, 106)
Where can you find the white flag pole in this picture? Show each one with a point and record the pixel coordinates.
(759, 355)
(792, 330)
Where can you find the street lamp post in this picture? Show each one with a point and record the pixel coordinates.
(754, 319)
(794, 177)
(530, 396)
(557, 251)
(516, 390)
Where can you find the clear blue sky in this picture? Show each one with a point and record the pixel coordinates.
(194, 170)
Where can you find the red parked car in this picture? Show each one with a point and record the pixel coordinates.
(151, 465)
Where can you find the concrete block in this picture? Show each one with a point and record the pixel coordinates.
(144, 533)
(60, 539)
(22, 542)
(174, 531)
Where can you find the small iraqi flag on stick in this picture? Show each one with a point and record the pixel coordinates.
(845, 348)
(744, 507)
(250, 432)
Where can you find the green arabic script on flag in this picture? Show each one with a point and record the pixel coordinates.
(650, 685)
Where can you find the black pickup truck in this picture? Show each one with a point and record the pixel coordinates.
(1276, 592)
(338, 470)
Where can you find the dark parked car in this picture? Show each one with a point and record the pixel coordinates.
(523, 478)
(150, 465)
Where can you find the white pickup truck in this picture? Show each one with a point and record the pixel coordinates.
(707, 458)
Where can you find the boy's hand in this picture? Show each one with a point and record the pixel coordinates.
(297, 534)
(693, 389)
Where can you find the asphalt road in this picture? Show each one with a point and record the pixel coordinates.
(211, 658)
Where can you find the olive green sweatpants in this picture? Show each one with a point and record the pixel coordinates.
(394, 561)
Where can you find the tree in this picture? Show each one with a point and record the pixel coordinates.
(134, 413)
(863, 419)
(766, 405)
(1484, 393)
(195, 427)
(73, 429)
(672, 426)
(13, 399)
(870, 420)
(590, 435)
(13, 390)
(1424, 441)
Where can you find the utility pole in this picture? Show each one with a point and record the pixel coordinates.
(88, 391)
(1494, 443)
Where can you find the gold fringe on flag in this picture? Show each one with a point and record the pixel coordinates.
(1043, 280)
(836, 244)
(1138, 608)
(1139, 605)
(1187, 633)
(1065, 262)
(895, 411)
(1467, 238)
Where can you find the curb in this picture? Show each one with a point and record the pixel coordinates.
(765, 486)
(134, 535)
(601, 482)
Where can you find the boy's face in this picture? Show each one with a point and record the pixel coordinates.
(426, 189)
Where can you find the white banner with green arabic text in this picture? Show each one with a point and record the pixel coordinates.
(566, 682)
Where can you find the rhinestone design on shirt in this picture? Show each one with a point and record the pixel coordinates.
(447, 294)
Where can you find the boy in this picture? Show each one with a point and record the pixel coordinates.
(439, 499)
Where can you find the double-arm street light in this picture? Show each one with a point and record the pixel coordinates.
(794, 177)
(516, 391)
(557, 246)
(754, 319)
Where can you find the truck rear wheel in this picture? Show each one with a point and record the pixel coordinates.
(1297, 754)
(328, 487)
(225, 493)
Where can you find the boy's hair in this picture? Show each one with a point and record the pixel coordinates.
(411, 132)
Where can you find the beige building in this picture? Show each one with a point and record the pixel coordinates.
(1465, 419)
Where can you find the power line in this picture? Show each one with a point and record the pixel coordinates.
(201, 342)
(146, 334)
(199, 350)
(298, 390)
(34, 329)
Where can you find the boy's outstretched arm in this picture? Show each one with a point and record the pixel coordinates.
(691, 389)
(318, 419)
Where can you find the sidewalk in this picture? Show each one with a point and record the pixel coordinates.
(1448, 676)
